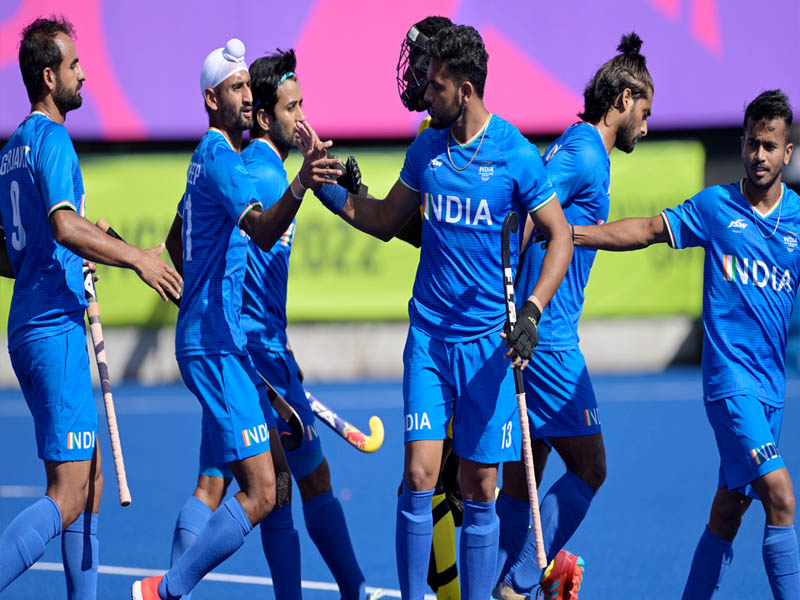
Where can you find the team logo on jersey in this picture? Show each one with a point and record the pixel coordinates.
(766, 452)
(791, 242)
(417, 421)
(738, 225)
(453, 209)
(256, 434)
(747, 271)
(80, 440)
(591, 417)
(485, 170)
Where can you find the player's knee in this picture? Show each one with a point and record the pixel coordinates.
(420, 477)
(594, 475)
(781, 504)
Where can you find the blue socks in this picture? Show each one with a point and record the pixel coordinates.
(282, 548)
(480, 531)
(193, 517)
(562, 509)
(222, 536)
(515, 519)
(413, 536)
(781, 561)
(328, 530)
(79, 552)
(23, 541)
(711, 559)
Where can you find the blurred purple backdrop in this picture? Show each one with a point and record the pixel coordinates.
(142, 59)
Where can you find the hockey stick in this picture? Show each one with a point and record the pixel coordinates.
(510, 225)
(93, 313)
(291, 440)
(358, 439)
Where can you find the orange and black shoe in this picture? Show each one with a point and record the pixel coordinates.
(562, 577)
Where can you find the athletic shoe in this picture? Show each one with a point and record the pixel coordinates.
(146, 589)
(503, 591)
(563, 576)
(376, 594)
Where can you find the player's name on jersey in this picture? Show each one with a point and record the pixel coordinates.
(756, 272)
(193, 172)
(453, 209)
(14, 158)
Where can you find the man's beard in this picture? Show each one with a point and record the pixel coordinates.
(66, 99)
(283, 140)
(626, 136)
(234, 118)
(450, 117)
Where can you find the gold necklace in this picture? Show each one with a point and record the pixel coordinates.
(450, 158)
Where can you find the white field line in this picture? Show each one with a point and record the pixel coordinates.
(223, 577)
(21, 491)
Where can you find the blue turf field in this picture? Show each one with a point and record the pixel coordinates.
(637, 539)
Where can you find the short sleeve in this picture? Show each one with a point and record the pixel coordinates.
(181, 203)
(231, 184)
(688, 223)
(410, 174)
(530, 178)
(56, 163)
(269, 184)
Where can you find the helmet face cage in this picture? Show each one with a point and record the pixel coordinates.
(412, 69)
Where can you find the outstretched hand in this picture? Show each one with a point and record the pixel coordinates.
(158, 274)
(317, 168)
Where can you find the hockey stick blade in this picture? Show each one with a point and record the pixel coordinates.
(357, 438)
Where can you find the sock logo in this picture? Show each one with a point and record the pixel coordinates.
(256, 434)
(417, 421)
(752, 271)
(80, 440)
(591, 416)
(766, 452)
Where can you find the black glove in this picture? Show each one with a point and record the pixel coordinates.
(351, 178)
(525, 335)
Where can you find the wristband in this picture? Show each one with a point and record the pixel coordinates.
(332, 196)
(291, 189)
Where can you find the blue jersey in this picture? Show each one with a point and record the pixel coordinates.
(39, 174)
(458, 293)
(579, 169)
(264, 302)
(219, 193)
(750, 280)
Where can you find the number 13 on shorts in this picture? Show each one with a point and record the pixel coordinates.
(505, 441)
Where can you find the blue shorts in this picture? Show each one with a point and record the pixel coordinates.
(280, 369)
(54, 375)
(747, 432)
(560, 397)
(235, 424)
(470, 381)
